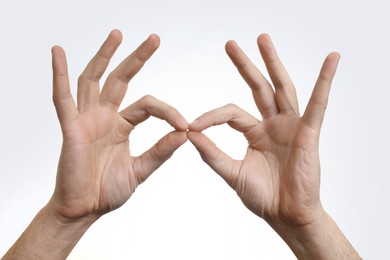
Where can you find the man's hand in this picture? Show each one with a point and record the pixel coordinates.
(96, 172)
(279, 177)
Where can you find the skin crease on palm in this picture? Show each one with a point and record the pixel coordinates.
(278, 179)
(96, 173)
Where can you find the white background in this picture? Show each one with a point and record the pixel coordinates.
(184, 210)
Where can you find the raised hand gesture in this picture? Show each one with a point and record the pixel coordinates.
(96, 172)
(279, 177)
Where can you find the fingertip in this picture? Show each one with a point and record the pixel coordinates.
(59, 63)
(330, 65)
(334, 56)
(263, 38)
(182, 124)
(230, 46)
(56, 49)
(114, 39)
(267, 48)
(179, 137)
(155, 40)
(194, 137)
(195, 126)
(190, 135)
(116, 34)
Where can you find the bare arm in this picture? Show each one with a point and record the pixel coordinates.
(279, 177)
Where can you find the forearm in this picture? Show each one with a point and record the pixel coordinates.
(48, 238)
(320, 240)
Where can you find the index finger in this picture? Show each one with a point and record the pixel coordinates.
(148, 106)
(231, 114)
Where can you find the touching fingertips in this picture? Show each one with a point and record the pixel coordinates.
(195, 122)
(182, 124)
(194, 137)
(195, 125)
(182, 137)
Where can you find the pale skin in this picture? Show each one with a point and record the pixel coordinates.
(96, 171)
(279, 177)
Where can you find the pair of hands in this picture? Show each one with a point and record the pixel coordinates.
(278, 179)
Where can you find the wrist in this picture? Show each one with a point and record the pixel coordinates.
(64, 218)
(49, 237)
(58, 226)
(319, 239)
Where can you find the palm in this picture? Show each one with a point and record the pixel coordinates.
(96, 173)
(279, 176)
(102, 178)
(281, 151)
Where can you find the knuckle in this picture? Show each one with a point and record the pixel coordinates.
(231, 107)
(81, 78)
(87, 78)
(281, 84)
(255, 86)
(123, 78)
(148, 99)
(111, 76)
